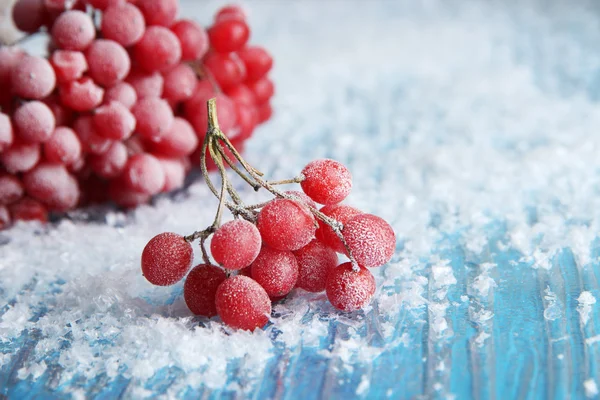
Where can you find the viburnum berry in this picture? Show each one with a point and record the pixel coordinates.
(146, 84)
(111, 163)
(91, 142)
(200, 289)
(174, 171)
(81, 95)
(63, 146)
(242, 303)
(122, 92)
(258, 62)
(20, 156)
(114, 121)
(180, 141)
(53, 185)
(34, 122)
(108, 62)
(158, 50)
(236, 244)
(371, 240)
(154, 117)
(275, 270)
(349, 290)
(286, 224)
(28, 209)
(193, 39)
(326, 181)
(230, 12)
(315, 260)
(159, 12)
(29, 15)
(124, 23)
(228, 35)
(166, 259)
(6, 132)
(33, 78)
(73, 30)
(68, 65)
(341, 213)
(11, 189)
(143, 173)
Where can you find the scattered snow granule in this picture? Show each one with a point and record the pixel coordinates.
(591, 388)
(363, 386)
(586, 301)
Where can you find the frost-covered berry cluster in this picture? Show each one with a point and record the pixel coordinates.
(269, 249)
(116, 111)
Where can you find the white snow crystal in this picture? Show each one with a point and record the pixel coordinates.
(586, 301)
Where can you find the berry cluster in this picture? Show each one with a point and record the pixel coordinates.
(117, 110)
(269, 249)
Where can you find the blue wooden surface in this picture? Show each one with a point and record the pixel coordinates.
(402, 78)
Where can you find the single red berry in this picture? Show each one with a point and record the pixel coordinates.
(180, 141)
(144, 173)
(68, 65)
(230, 12)
(146, 84)
(235, 244)
(315, 260)
(174, 171)
(200, 289)
(258, 62)
(179, 83)
(90, 141)
(73, 30)
(20, 156)
(11, 189)
(28, 209)
(111, 163)
(108, 62)
(242, 303)
(122, 92)
(263, 89)
(166, 259)
(34, 122)
(286, 224)
(227, 69)
(193, 38)
(326, 181)
(228, 35)
(123, 23)
(159, 12)
(63, 146)
(349, 290)
(33, 78)
(53, 185)
(371, 240)
(158, 50)
(114, 121)
(29, 15)
(275, 270)
(154, 117)
(341, 213)
(81, 95)
(6, 132)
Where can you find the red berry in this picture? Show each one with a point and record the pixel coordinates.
(174, 171)
(29, 15)
(286, 224)
(146, 84)
(20, 157)
(236, 244)
(104, 4)
(264, 112)
(68, 65)
(62, 115)
(9, 58)
(111, 163)
(275, 270)
(123, 23)
(33, 78)
(315, 260)
(180, 141)
(53, 185)
(108, 61)
(230, 12)
(28, 209)
(180, 83)
(302, 198)
(349, 290)
(228, 35)
(73, 30)
(63, 147)
(159, 12)
(258, 62)
(227, 69)
(122, 92)
(89, 138)
(34, 122)
(11, 189)
(158, 50)
(242, 303)
(341, 213)
(371, 240)
(242, 95)
(196, 114)
(143, 173)
(6, 132)
(193, 38)
(247, 119)
(201, 287)
(81, 95)
(263, 90)
(154, 117)
(124, 196)
(114, 121)
(166, 259)
(326, 181)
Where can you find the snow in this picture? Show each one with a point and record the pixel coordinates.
(449, 121)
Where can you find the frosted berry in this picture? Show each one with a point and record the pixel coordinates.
(29, 15)
(158, 50)
(154, 117)
(236, 244)
(52, 185)
(6, 132)
(315, 260)
(226, 69)
(68, 65)
(108, 62)
(159, 12)
(200, 289)
(174, 171)
(20, 157)
(90, 140)
(166, 259)
(111, 163)
(28, 209)
(371, 240)
(123, 23)
(180, 83)
(63, 146)
(34, 122)
(258, 62)
(193, 39)
(286, 224)
(350, 290)
(242, 303)
(73, 30)
(341, 213)
(81, 95)
(181, 140)
(122, 92)
(230, 12)
(33, 78)
(275, 270)
(11, 189)
(146, 84)
(143, 173)
(263, 89)
(228, 35)
(114, 121)
(326, 181)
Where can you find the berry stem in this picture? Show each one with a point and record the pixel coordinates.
(297, 179)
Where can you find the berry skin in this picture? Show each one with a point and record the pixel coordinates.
(122, 92)
(111, 163)
(341, 213)
(228, 35)
(371, 240)
(193, 38)
(108, 62)
(315, 260)
(34, 122)
(144, 173)
(20, 157)
(326, 181)
(230, 12)
(124, 196)
(28, 209)
(180, 83)
(29, 15)
(349, 290)
(263, 90)
(258, 62)
(6, 132)
(201, 287)
(63, 146)
(33, 78)
(11, 189)
(174, 171)
(154, 117)
(89, 138)
(103, 4)
(158, 50)
(166, 259)
(227, 69)
(180, 141)
(9, 58)
(265, 112)
(123, 23)
(286, 224)
(236, 244)
(159, 12)
(81, 95)
(146, 84)
(114, 121)
(73, 30)
(242, 303)
(68, 65)
(53, 185)
(275, 270)
(302, 197)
